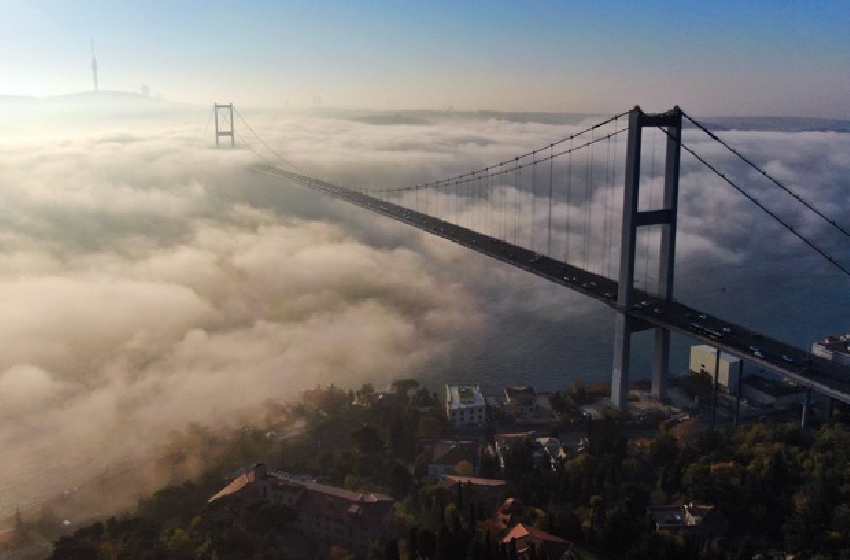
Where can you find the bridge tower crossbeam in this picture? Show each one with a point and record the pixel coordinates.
(626, 324)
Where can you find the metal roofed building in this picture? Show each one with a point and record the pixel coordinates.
(835, 348)
(330, 515)
(465, 405)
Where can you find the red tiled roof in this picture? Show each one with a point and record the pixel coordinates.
(238, 484)
(452, 453)
(553, 546)
(450, 480)
(368, 510)
(343, 505)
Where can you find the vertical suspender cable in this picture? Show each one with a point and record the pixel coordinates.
(606, 231)
(652, 206)
(517, 178)
(588, 161)
(533, 197)
(611, 237)
(569, 197)
(549, 223)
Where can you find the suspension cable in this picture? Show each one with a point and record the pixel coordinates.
(209, 120)
(269, 148)
(759, 204)
(765, 174)
(567, 235)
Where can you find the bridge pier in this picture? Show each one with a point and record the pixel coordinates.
(738, 390)
(622, 350)
(660, 364)
(632, 220)
(804, 420)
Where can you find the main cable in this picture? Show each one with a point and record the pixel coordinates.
(765, 174)
(757, 203)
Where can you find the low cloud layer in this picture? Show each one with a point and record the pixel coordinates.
(147, 281)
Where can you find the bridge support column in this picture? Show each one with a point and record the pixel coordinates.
(661, 364)
(622, 350)
(714, 389)
(738, 390)
(804, 421)
(223, 118)
(632, 219)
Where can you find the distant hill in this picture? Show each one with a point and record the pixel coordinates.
(87, 97)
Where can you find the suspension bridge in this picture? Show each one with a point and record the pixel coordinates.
(568, 213)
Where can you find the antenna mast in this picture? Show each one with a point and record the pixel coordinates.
(93, 64)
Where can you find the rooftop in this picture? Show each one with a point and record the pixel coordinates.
(449, 480)
(460, 396)
(724, 357)
(837, 343)
(773, 388)
(522, 395)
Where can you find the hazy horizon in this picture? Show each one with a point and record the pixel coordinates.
(732, 59)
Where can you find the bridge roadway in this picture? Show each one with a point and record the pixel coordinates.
(821, 375)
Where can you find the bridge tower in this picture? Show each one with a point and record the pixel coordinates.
(224, 123)
(665, 216)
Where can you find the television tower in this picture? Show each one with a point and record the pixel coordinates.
(93, 64)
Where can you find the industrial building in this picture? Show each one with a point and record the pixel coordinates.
(728, 372)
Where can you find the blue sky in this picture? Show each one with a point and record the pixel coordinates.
(712, 58)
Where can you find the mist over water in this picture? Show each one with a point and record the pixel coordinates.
(148, 280)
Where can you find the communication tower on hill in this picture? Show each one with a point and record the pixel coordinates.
(93, 64)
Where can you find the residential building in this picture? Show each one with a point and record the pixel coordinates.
(504, 443)
(465, 405)
(521, 402)
(328, 514)
(486, 491)
(728, 372)
(548, 449)
(835, 348)
(703, 521)
(546, 546)
(446, 454)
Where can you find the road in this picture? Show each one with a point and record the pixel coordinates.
(795, 364)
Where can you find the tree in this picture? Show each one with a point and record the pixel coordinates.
(420, 465)
(391, 551)
(464, 468)
(578, 392)
(422, 397)
(400, 440)
(367, 439)
(663, 451)
(427, 544)
(402, 386)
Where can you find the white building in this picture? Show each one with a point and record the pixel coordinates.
(835, 348)
(465, 405)
(729, 371)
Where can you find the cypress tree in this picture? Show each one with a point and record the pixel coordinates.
(412, 543)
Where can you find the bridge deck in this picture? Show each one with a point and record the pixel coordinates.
(799, 366)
